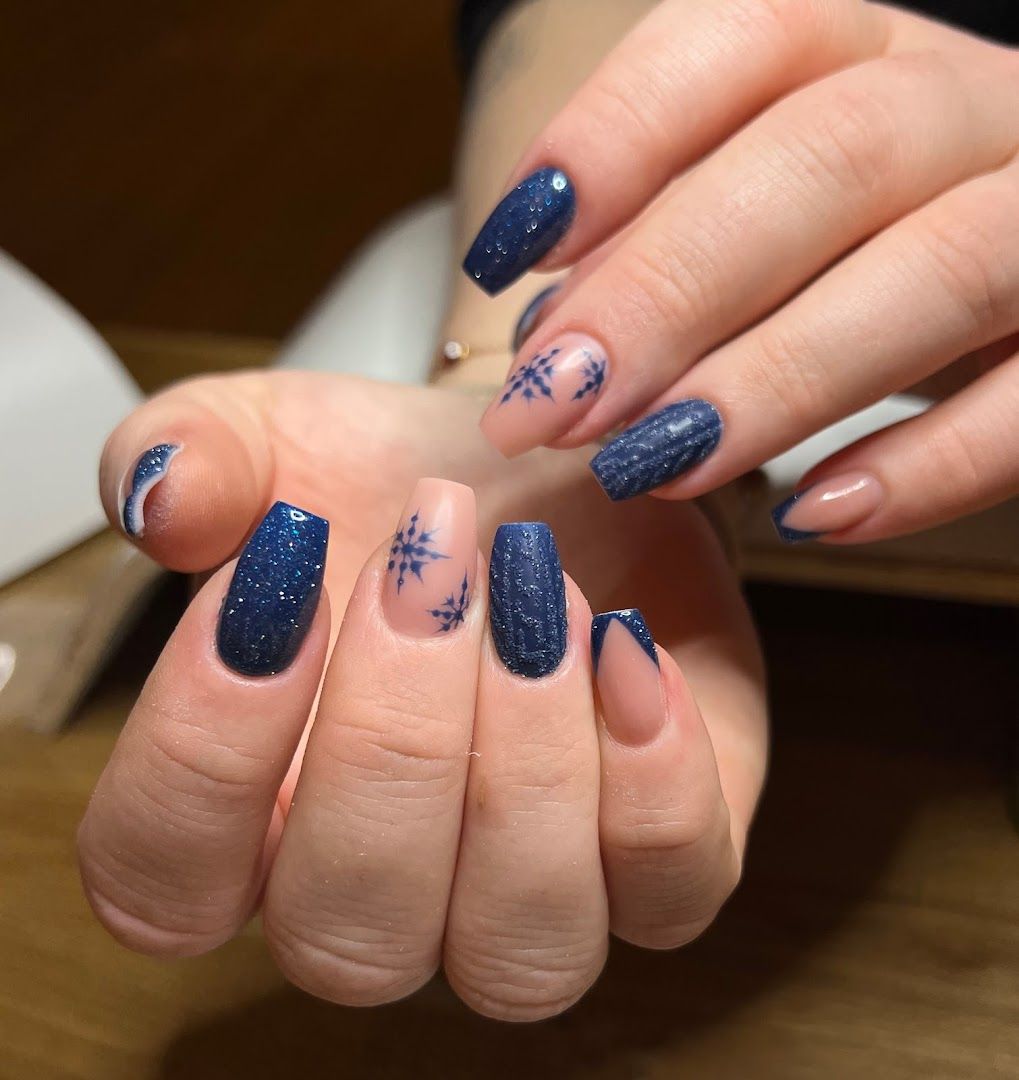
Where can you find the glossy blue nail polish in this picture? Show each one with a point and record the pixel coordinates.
(272, 598)
(522, 229)
(632, 619)
(150, 468)
(659, 448)
(529, 316)
(787, 535)
(527, 605)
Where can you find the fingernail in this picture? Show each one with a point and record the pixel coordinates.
(529, 316)
(433, 560)
(272, 598)
(527, 599)
(659, 448)
(546, 395)
(522, 229)
(827, 506)
(628, 677)
(148, 470)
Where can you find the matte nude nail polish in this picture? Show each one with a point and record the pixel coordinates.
(525, 226)
(546, 394)
(433, 560)
(628, 676)
(274, 593)
(831, 505)
(148, 470)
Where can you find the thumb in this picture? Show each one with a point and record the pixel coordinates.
(189, 473)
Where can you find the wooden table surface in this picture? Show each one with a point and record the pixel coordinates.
(202, 166)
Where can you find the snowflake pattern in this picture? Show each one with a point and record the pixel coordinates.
(452, 610)
(532, 379)
(594, 376)
(412, 550)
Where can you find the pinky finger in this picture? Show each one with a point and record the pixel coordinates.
(667, 839)
(957, 458)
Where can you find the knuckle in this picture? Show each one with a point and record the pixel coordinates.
(797, 23)
(668, 282)
(966, 254)
(369, 969)
(398, 744)
(511, 974)
(782, 366)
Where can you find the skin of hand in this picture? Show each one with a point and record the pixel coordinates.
(444, 810)
(775, 212)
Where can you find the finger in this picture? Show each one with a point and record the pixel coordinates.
(188, 473)
(667, 842)
(810, 179)
(682, 81)
(356, 903)
(959, 457)
(171, 844)
(941, 283)
(527, 926)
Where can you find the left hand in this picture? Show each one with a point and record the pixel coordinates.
(779, 212)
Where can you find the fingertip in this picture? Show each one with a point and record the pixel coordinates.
(181, 484)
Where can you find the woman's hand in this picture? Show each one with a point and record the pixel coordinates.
(778, 211)
(457, 801)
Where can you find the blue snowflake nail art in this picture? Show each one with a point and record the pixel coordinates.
(532, 379)
(453, 609)
(412, 550)
(593, 374)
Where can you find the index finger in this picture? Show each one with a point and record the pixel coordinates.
(683, 80)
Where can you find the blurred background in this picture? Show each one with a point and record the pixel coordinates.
(190, 176)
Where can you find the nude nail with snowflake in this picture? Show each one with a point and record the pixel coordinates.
(546, 394)
(433, 560)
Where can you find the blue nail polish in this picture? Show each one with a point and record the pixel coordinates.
(529, 316)
(150, 468)
(527, 606)
(522, 229)
(787, 535)
(272, 598)
(632, 619)
(659, 448)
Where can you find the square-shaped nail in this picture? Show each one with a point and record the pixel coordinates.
(527, 599)
(148, 470)
(546, 395)
(272, 598)
(658, 448)
(628, 676)
(433, 560)
(525, 226)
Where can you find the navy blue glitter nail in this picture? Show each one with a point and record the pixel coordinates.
(632, 619)
(791, 536)
(272, 598)
(527, 599)
(659, 448)
(148, 471)
(529, 316)
(522, 229)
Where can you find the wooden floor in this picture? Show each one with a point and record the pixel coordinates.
(207, 167)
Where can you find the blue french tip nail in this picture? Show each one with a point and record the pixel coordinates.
(522, 229)
(633, 621)
(150, 468)
(529, 316)
(527, 606)
(659, 448)
(787, 535)
(272, 598)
